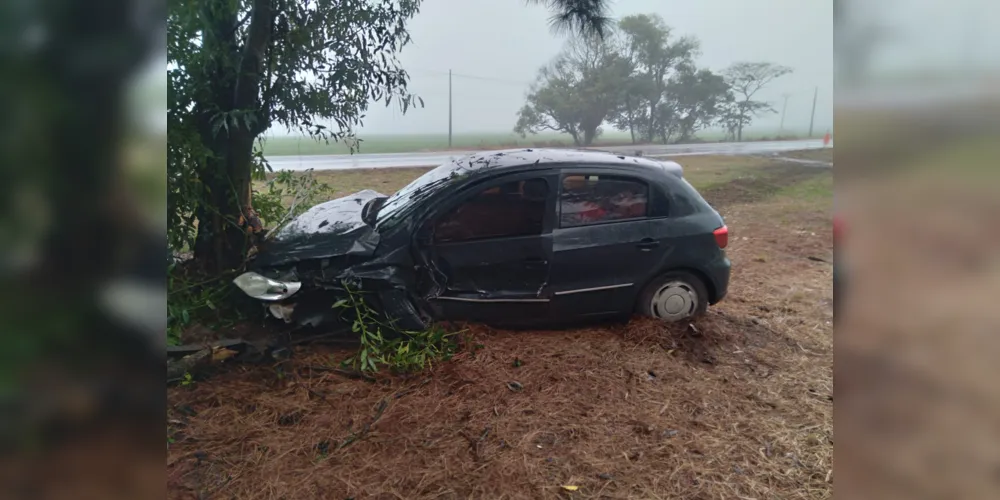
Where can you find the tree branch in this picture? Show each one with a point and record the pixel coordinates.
(258, 37)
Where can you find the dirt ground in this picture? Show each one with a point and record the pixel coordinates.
(738, 404)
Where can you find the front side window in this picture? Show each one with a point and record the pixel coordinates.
(515, 208)
(593, 199)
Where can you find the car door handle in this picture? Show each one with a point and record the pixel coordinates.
(535, 262)
(647, 244)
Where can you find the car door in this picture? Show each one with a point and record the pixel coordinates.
(490, 250)
(605, 244)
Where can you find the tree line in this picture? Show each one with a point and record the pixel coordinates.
(641, 78)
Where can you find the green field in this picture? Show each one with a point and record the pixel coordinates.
(703, 172)
(295, 145)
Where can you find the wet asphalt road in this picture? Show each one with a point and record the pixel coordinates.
(398, 160)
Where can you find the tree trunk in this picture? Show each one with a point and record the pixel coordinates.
(631, 118)
(222, 242)
(652, 121)
(576, 138)
(739, 133)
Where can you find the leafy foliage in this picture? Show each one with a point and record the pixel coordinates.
(697, 99)
(576, 92)
(236, 67)
(588, 18)
(381, 347)
(655, 55)
(287, 195)
(195, 298)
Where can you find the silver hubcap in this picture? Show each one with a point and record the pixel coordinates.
(674, 301)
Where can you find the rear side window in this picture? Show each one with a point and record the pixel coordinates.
(593, 199)
(512, 209)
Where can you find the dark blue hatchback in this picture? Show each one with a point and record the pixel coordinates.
(508, 237)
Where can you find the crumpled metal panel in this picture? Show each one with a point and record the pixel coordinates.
(330, 229)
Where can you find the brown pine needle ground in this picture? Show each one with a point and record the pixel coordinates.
(737, 405)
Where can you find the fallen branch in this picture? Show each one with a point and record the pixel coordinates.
(198, 356)
(182, 350)
(379, 410)
(382, 405)
(187, 364)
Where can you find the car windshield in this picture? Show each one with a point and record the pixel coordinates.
(400, 204)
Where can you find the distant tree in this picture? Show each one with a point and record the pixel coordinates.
(646, 42)
(696, 100)
(575, 93)
(745, 79)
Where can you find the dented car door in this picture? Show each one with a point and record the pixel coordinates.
(604, 243)
(490, 249)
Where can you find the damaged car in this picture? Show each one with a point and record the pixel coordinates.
(514, 238)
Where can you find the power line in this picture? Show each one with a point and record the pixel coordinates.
(475, 77)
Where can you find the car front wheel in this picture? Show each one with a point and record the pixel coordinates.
(674, 296)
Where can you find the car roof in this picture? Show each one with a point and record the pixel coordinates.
(496, 161)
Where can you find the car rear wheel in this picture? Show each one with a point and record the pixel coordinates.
(674, 296)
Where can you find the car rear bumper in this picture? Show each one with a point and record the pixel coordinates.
(718, 273)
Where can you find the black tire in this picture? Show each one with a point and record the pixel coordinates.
(678, 291)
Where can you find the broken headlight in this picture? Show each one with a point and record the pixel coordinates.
(264, 288)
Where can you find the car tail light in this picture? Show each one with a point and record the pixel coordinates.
(838, 229)
(721, 236)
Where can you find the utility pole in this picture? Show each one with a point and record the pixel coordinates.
(449, 109)
(781, 127)
(812, 118)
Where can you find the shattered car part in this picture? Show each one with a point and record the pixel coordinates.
(264, 288)
(526, 236)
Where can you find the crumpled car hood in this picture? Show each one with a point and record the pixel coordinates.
(330, 229)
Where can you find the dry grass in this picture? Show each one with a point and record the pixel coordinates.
(738, 405)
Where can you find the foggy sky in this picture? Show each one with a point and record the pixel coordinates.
(504, 42)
